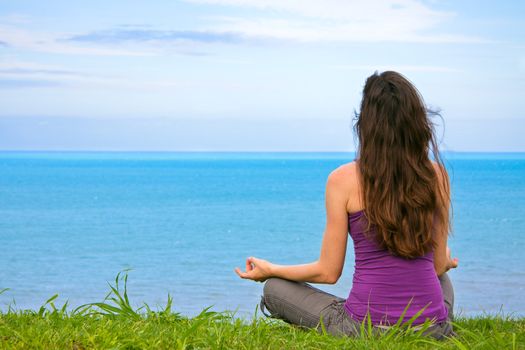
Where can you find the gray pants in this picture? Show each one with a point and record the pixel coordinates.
(303, 305)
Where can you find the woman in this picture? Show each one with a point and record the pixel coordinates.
(394, 201)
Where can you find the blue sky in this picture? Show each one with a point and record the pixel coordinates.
(251, 75)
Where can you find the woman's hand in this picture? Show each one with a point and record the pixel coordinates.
(256, 269)
(451, 263)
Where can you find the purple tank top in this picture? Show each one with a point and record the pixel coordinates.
(384, 284)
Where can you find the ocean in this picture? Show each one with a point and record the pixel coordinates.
(70, 221)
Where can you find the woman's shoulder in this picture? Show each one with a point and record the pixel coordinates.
(344, 174)
(346, 178)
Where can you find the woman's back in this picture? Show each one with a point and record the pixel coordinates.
(384, 285)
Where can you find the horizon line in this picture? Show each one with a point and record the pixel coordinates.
(222, 151)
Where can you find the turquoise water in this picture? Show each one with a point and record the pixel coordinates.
(69, 222)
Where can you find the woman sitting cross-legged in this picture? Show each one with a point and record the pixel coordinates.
(394, 202)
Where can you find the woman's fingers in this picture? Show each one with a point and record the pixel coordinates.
(253, 272)
(249, 273)
(238, 272)
(242, 274)
(453, 263)
(249, 265)
(254, 260)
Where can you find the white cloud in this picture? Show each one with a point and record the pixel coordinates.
(521, 65)
(40, 41)
(15, 18)
(60, 76)
(293, 20)
(339, 20)
(400, 68)
(347, 10)
(19, 68)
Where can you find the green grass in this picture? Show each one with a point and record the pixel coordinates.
(115, 324)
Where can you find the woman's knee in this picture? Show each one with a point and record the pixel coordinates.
(272, 286)
(273, 289)
(448, 293)
(279, 287)
(277, 292)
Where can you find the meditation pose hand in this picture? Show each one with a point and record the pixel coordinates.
(256, 269)
(452, 262)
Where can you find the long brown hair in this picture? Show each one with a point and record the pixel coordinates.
(402, 195)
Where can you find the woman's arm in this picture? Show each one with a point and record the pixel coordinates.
(328, 268)
(442, 260)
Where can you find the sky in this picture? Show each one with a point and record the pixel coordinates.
(252, 75)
